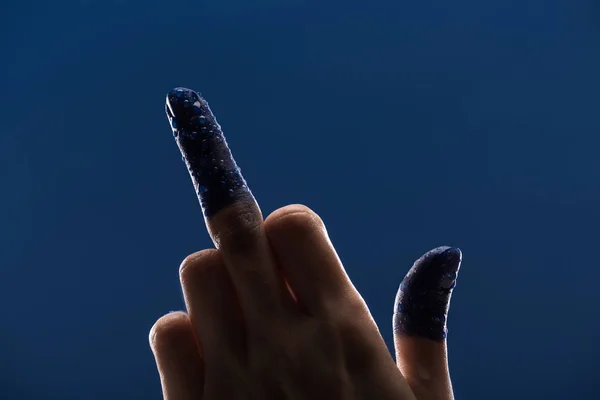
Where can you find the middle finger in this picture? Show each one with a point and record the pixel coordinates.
(231, 213)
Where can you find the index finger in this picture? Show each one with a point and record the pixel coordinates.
(231, 213)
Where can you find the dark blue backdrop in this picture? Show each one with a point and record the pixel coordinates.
(476, 120)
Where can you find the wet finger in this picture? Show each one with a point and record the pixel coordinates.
(232, 215)
(420, 316)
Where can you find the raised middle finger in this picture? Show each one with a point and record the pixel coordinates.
(231, 213)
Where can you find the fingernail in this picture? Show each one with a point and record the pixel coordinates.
(423, 299)
(216, 177)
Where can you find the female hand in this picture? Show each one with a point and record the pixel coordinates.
(271, 312)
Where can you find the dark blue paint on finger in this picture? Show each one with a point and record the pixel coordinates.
(423, 299)
(216, 177)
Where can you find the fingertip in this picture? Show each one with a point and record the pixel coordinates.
(438, 268)
(423, 298)
(169, 329)
(199, 260)
(293, 218)
(453, 254)
(179, 95)
(441, 253)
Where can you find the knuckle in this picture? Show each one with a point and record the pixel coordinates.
(239, 227)
(350, 311)
(297, 218)
(197, 262)
(169, 329)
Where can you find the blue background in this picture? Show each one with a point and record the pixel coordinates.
(406, 125)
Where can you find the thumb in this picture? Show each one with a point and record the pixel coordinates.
(420, 314)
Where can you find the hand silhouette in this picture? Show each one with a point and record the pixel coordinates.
(271, 312)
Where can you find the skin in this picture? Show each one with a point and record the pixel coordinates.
(271, 314)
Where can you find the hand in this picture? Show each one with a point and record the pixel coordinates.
(271, 313)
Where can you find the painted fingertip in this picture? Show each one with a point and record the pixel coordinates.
(423, 299)
(217, 179)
